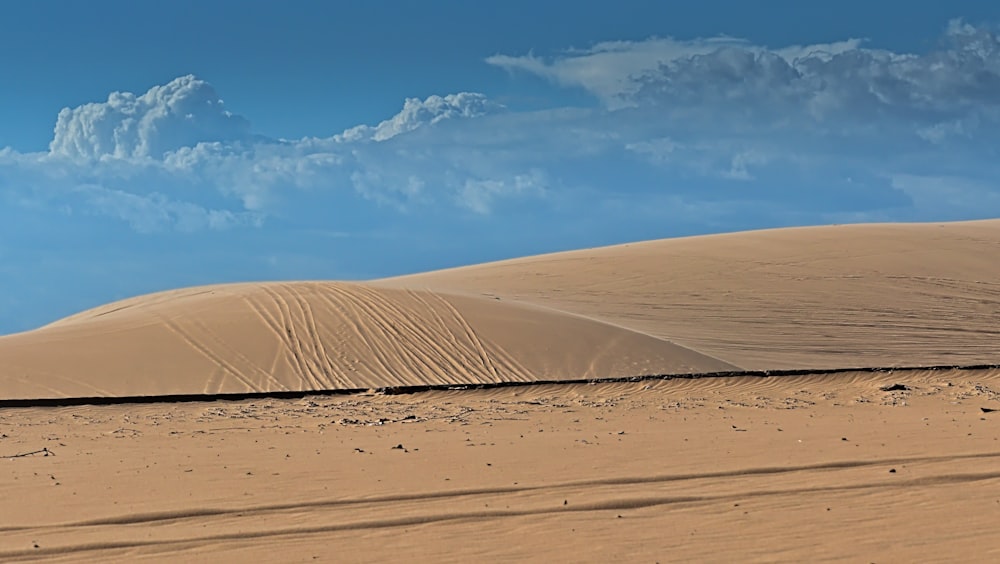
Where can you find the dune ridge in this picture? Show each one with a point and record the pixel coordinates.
(879, 295)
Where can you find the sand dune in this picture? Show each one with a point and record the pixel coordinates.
(825, 297)
(319, 336)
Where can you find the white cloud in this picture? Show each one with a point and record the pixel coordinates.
(949, 197)
(820, 51)
(615, 71)
(610, 69)
(728, 158)
(156, 212)
(261, 173)
(478, 195)
(740, 163)
(417, 113)
(174, 158)
(942, 131)
(181, 113)
(658, 150)
(397, 190)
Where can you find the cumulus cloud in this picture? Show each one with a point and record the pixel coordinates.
(417, 113)
(175, 159)
(403, 161)
(182, 113)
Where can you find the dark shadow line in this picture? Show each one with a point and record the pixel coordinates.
(399, 390)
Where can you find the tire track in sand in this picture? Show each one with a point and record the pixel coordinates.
(763, 471)
(379, 358)
(207, 353)
(332, 377)
(276, 328)
(615, 503)
(267, 376)
(472, 335)
(399, 337)
(294, 343)
(436, 357)
(391, 330)
(504, 360)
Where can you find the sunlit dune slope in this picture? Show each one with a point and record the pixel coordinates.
(818, 297)
(314, 336)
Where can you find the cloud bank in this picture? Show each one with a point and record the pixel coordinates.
(701, 132)
(961, 76)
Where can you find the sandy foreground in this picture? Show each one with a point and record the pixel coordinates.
(889, 465)
(794, 469)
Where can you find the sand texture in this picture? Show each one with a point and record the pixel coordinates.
(825, 394)
(796, 469)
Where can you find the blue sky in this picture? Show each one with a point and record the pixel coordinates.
(146, 146)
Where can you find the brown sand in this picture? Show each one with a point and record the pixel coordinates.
(793, 468)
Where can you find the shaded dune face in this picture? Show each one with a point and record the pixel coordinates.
(808, 298)
(319, 336)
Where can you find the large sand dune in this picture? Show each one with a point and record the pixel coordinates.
(826, 297)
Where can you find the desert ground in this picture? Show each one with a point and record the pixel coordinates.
(809, 394)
